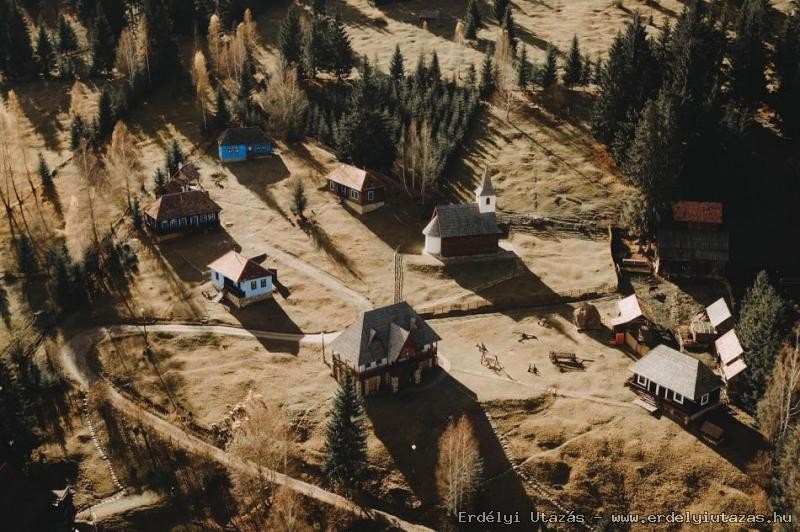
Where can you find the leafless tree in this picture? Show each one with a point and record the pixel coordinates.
(504, 69)
(458, 34)
(127, 53)
(201, 82)
(419, 158)
(284, 101)
(460, 466)
(215, 42)
(287, 512)
(781, 402)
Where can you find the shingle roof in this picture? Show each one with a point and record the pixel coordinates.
(678, 372)
(728, 347)
(451, 221)
(180, 204)
(697, 211)
(353, 177)
(242, 135)
(486, 188)
(693, 245)
(237, 268)
(630, 308)
(187, 173)
(718, 312)
(382, 333)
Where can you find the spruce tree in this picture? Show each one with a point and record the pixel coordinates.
(472, 76)
(499, 9)
(104, 123)
(510, 27)
(573, 68)
(289, 37)
(487, 86)
(310, 59)
(318, 7)
(77, 132)
(748, 54)
(173, 158)
(345, 439)
(136, 213)
(549, 72)
(588, 70)
(45, 174)
(164, 64)
(103, 43)
(342, 50)
(222, 116)
(475, 12)
(396, 68)
(44, 50)
(787, 68)
(20, 52)
(523, 69)
(470, 27)
(159, 181)
(761, 329)
(434, 70)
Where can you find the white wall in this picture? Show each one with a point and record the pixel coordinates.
(433, 245)
(244, 286)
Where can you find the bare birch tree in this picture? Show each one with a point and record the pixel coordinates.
(504, 69)
(127, 53)
(287, 512)
(458, 34)
(215, 42)
(781, 402)
(420, 153)
(201, 83)
(460, 466)
(284, 101)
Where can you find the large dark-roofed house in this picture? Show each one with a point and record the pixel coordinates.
(181, 212)
(387, 346)
(465, 229)
(695, 242)
(678, 383)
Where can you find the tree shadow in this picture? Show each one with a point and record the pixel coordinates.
(742, 443)
(258, 175)
(41, 102)
(398, 224)
(409, 13)
(323, 241)
(419, 417)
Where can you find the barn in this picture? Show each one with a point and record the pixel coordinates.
(243, 143)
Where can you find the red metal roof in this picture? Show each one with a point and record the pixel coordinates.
(706, 212)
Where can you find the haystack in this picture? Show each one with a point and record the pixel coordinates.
(587, 317)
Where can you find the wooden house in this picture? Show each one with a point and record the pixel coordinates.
(719, 316)
(243, 143)
(185, 179)
(361, 189)
(465, 229)
(240, 280)
(695, 243)
(385, 348)
(676, 383)
(177, 213)
(730, 355)
(635, 326)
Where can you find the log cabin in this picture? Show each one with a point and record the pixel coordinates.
(178, 213)
(362, 190)
(676, 383)
(385, 348)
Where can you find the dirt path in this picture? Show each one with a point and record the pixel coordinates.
(73, 360)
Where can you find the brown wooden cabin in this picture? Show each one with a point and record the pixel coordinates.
(387, 347)
(178, 213)
(362, 189)
(695, 243)
(677, 384)
(635, 326)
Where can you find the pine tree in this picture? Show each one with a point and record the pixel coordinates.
(318, 7)
(472, 76)
(20, 52)
(44, 51)
(510, 27)
(45, 174)
(313, 43)
(222, 116)
(487, 86)
(289, 37)
(136, 213)
(164, 64)
(67, 40)
(470, 27)
(761, 329)
(104, 123)
(787, 67)
(523, 69)
(299, 199)
(588, 70)
(173, 158)
(345, 438)
(549, 72)
(396, 68)
(573, 68)
(103, 43)
(475, 12)
(748, 53)
(159, 181)
(77, 132)
(342, 50)
(499, 10)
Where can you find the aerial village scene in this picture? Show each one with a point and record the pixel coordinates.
(328, 265)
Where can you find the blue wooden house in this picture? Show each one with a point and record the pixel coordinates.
(243, 143)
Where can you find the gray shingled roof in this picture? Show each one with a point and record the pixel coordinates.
(678, 372)
(461, 220)
(693, 245)
(486, 188)
(382, 333)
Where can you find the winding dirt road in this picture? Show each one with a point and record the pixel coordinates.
(74, 363)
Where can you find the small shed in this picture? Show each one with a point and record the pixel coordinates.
(587, 317)
(635, 326)
(719, 315)
(242, 143)
(731, 355)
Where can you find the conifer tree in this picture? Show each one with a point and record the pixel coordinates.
(45, 174)
(77, 132)
(222, 116)
(748, 53)
(44, 50)
(487, 86)
(289, 37)
(761, 329)
(472, 76)
(588, 70)
(434, 70)
(136, 213)
(345, 438)
(103, 43)
(573, 68)
(342, 50)
(159, 181)
(787, 68)
(19, 50)
(510, 27)
(318, 7)
(523, 69)
(26, 258)
(67, 40)
(104, 122)
(549, 72)
(173, 158)
(475, 11)
(499, 10)
(164, 64)
(470, 27)
(396, 68)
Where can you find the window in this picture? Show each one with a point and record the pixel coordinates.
(677, 397)
(704, 399)
(332, 186)
(641, 381)
(488, 201)
(164, 224)
(354, 194)
(211, 216)
(253, 285)
(183, 222)
(173, 223)
(203, 217)
(263, 283)
(216, 276)
(370, 195)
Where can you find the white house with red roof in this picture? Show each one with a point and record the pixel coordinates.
(240, 280)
